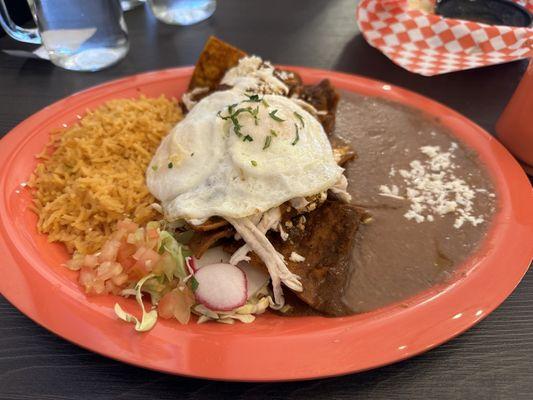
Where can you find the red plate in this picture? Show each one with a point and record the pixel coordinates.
(272, 348)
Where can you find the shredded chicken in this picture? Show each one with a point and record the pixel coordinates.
(269, 220)
(277, 268)
(252, 73)
(256, 219)
(309, 203)
(299, 203)
(284, 235)
(295, 257)
(339, 189)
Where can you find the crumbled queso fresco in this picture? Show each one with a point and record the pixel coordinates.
(432, 188)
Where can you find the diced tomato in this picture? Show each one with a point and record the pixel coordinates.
(182, 312)
(150, 258)
(137, 237)
(98, 286)
(177, 304)
(165, 308)
(110, 287)
(146, 256)
(126, 250)
(152, 243)
(128, 255)
(118, 235)
(120, 279)
(109, 251)
(139, 252)
(86, 278)
(90, 260)
(108, 269)
(75, 263)
(128, 225)
(137, 271)
(128, 263)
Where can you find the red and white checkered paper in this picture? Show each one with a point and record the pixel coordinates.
(429, 44)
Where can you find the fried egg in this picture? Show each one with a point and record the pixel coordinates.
(219, 161)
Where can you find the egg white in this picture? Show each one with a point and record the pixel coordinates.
(203, 168)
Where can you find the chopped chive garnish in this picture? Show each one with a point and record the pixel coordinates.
(265, 103)
(274, 116)
(273, 133)
(233, 114)
(154, 167)
(192, 154)
(300, 118)
(255, 114)
(236, 126)
(231, 107)
(170, 165)
(267, 142)
(241, 110)
(254, 163)
(297, 135)
(254, 98)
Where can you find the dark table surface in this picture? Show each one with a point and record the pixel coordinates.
(493, 360)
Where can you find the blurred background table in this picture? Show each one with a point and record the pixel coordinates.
(493, 360)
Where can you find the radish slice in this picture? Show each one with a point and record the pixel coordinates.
(191, 265)
(256, 278)
(221, 287)
(214, 255)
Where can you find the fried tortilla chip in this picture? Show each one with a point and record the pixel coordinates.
(324, 239)
(324, 98)
(211, 224)
(203, 241)
(216, 58)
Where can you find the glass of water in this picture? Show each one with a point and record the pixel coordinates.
(130, 4)
(182, 12)
(80, 35)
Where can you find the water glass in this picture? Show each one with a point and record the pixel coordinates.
(130, 4)
(79, 35)
(182, 12)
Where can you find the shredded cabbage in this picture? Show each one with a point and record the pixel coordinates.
(156, 288)
(148, 319)
(175, 249)
(156, 285)
(172, 266)
(257, 304)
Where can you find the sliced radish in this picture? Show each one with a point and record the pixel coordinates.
(256, 277)
(191, 265)
(221, 287)
(214, 255)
